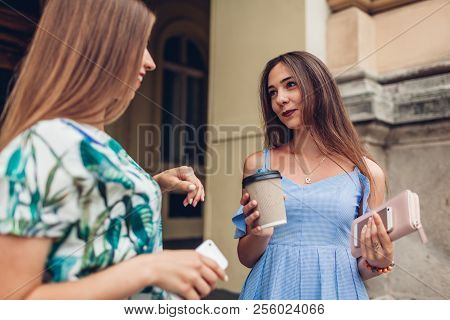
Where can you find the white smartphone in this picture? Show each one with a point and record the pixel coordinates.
(386, 217)
(209, 249)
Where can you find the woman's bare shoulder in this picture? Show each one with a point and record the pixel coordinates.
(253, 162)
(375, 171)
(378, 192)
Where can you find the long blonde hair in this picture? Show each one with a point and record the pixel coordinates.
(82, 64)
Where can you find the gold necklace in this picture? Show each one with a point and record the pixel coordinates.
(307, 175)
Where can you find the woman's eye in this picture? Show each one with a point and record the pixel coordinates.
(272, 93)
(291, 84)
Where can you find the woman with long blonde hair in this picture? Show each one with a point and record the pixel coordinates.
(78, 217)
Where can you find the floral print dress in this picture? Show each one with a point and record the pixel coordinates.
(75, 184)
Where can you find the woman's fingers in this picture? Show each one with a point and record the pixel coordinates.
(188, 273)
(193, 197)
(249, 207)
(198, 195)
(191, 294)
(189, 198)
(385, 241)
(245, 199)
(257, 230)
(377, 248)
(362, 241)
(213, 266)
(251, 219)
(368, 241)
(195, 188)
(210, 276)
(202, 287)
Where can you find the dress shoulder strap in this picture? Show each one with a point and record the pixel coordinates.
(266, 159)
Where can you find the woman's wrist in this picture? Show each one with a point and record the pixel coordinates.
(146, 268)
(157, 178)
(379, 270)
(364, 265)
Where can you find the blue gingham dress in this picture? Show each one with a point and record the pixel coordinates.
(309, 258)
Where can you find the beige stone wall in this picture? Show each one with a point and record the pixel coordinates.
(409, 36)
(414, 157)
(413, 35)
(393, 73)
(422, 165)
(350, 41)
(244, 36)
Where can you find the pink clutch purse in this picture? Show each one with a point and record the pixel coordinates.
(400, 215)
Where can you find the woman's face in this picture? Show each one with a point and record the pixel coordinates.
(147, 65)
(285, 95)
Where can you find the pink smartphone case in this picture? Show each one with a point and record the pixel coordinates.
(405, 214)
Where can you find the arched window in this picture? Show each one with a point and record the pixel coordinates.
(184, 99)
(183, 71)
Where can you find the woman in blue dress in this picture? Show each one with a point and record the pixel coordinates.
(328, 179)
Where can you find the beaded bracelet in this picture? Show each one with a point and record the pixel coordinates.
(380, 270)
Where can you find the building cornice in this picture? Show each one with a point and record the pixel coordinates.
(369, 6)
(410, 96)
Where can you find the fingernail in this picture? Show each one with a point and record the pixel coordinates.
(256, 213)
(226, 278)
(195, 204)
(191, 187)
(190, 201)
(185, 204)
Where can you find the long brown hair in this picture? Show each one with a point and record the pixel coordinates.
(82, 64)
(323, 111)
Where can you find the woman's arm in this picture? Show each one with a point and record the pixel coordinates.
(375, 229)
(252, 246)
(183, 272)
(254, 243)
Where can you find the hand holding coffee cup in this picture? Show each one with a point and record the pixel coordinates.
(265, 191)
(251, 214)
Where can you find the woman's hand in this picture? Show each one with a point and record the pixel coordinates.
(376, 246)
(184, 272)
(251, 214)
(182, 179)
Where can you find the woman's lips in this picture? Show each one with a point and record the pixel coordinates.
(288, 113)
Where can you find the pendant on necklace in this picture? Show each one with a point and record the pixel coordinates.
(308, 180)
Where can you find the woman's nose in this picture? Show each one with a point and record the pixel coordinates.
(282, 97)
(149, 63)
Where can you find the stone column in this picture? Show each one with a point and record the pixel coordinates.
(244, 36)
(393, 71)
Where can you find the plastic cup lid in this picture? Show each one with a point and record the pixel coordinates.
(261, 176)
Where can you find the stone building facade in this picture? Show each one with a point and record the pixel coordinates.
(399, 100)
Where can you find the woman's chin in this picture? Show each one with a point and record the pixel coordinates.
(293, 125)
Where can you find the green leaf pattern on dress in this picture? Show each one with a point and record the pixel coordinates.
(97, 204)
